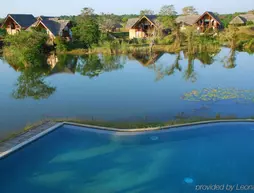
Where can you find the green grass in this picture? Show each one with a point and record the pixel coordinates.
(125, 125)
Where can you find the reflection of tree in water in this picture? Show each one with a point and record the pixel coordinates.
(229, 62)
(170, 70)
(31, 84)
(94, 65)
(190, 73)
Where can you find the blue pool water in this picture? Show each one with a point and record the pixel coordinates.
(83, 160)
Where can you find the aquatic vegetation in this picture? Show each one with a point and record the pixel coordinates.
(218, 94)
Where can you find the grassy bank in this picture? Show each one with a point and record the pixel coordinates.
(123, 125)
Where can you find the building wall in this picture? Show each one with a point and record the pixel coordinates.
(134, 33)
(11, 26)
(207, 22)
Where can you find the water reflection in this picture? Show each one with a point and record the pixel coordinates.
(94, 65)
(31, 84)
(146, 59)
(230, 60)
(62, 64)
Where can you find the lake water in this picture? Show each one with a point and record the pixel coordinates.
(83, 160)
(133, 87)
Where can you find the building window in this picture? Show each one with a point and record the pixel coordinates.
(12, 26)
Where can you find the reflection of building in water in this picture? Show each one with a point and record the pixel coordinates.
(146, 59)
(62, 64)
(52, 60)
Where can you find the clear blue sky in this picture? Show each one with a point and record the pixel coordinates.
(73, 7)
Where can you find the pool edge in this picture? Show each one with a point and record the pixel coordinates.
(29, 140)
(57, 125)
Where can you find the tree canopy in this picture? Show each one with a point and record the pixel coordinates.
(146, 12)
(26, 48)
(107, 21)
(167, 10)
(87, 29)
(189, 10)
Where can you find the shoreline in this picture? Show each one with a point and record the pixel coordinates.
(24, 138)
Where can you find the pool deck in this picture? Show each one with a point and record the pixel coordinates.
(13, 144)
(24, 138)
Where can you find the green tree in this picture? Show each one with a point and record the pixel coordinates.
(146, 12)
(168, 22)
(167, 10)
(87, 11)
(189, 10)
(87, 29)
(2, 32)
(25, 49)
(107, 22)
(230, 36)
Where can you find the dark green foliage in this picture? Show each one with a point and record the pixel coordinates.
(249, 23)
(25, 48)
(2, 32)
(61, 44)
(87, 30)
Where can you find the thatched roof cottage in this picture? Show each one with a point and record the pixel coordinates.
(54, 27)
(14, 23)
(242, 19)
(208, 20)
(145, 27)
(186, 20)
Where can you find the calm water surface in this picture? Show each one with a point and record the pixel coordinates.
(128, 88)
(73, 159)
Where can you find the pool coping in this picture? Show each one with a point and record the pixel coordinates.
(12, 145)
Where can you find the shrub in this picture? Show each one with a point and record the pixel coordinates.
(25, 48)
(249, 23)
(61, 44)
(2, 32)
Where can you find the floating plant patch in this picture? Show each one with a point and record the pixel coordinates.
(218, 94)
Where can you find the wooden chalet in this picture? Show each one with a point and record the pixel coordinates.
(14, 23)
(208, 21)
(143, 27)
(186, 20)
(242, 19)
(54, 27)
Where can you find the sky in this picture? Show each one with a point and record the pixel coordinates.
(73, 7)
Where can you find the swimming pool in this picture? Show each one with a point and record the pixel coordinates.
(182, 160)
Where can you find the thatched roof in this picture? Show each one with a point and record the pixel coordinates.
(24, 20)
(152, 18)
(237, 20)
(131, 22)
(212, 15)
(118, 25)
(187, 19)
(242, 19)
(42, 17)
(55, 25)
